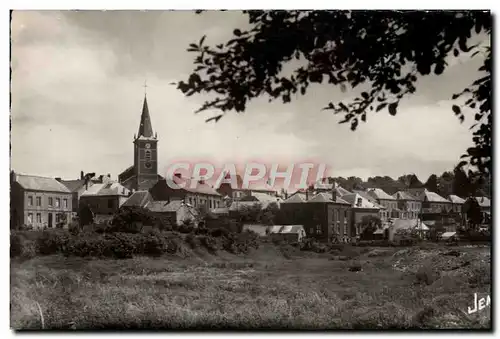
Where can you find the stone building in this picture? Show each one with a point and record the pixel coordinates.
(39, 202)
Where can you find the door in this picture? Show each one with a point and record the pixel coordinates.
(50, 219)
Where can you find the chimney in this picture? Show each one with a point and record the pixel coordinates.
(100, 178)
(13, 176)
(334, 195)
(109, 175)
(81, 175)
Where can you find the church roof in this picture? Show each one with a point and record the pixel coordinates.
(145, 127)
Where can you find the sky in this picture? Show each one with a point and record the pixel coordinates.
(78, 86)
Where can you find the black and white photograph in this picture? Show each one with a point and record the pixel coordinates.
(250, 170)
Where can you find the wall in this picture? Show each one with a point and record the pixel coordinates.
(209, 201)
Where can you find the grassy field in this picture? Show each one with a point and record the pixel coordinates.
(266, 289)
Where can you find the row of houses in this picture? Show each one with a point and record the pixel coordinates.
(332, 212)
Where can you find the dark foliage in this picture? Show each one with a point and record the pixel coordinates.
(385, 52)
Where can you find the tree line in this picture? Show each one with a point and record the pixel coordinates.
(456, 182)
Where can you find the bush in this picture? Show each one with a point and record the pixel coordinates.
(16, 244)
(426, 275)
(209, 243)
(186, 229)
(192, 241)
(219, 232)
(53, 241)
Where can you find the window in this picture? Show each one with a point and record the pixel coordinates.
(39, 201)
(318, 229)
(345, 215)
(58, 202)
(58, 217)
(50, 201)
(110, 203)
(218, 204)
(358, 202)
(30, 201)
(30, 218)
(38, 218)
(65, 201)
(210, 203)
(147, 155)
(190, 200)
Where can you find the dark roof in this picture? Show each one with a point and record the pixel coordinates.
(380, 194)
(352, 199)
(35, 183)
(138, 199)
(201, 188)
(402, 195)
(434, 197)
(327, 198)
(73, 185)
(145, 127)
(164, 206)
(296, 198)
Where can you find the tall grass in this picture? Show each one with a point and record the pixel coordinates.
(262, 290)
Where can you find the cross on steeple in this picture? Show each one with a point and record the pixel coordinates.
(145, 87)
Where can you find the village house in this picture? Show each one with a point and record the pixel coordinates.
(288, 233)
(386, 200)
(175, 211)
(361, 207)
(456, 203)
(202, 196)
(104, 199)
(433, 203)
(409, 205)
(76, 187)
(39, 201)
(325, 217)
(240, 193)
(383, 212)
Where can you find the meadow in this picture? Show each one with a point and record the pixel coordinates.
(274, 287)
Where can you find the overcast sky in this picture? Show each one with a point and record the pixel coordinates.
(77, 92)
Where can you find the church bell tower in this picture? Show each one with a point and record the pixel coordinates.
(145, 152)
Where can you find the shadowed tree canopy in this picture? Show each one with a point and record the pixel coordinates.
(432, 183)
(382, 51)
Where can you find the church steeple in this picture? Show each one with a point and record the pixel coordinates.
(145, 127)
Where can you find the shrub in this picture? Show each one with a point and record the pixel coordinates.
(16, 243)
(154, 245)
(219, 232)
(192, 241)
(426, 275)
(209, 243)
(53, 241)
(186, 229)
